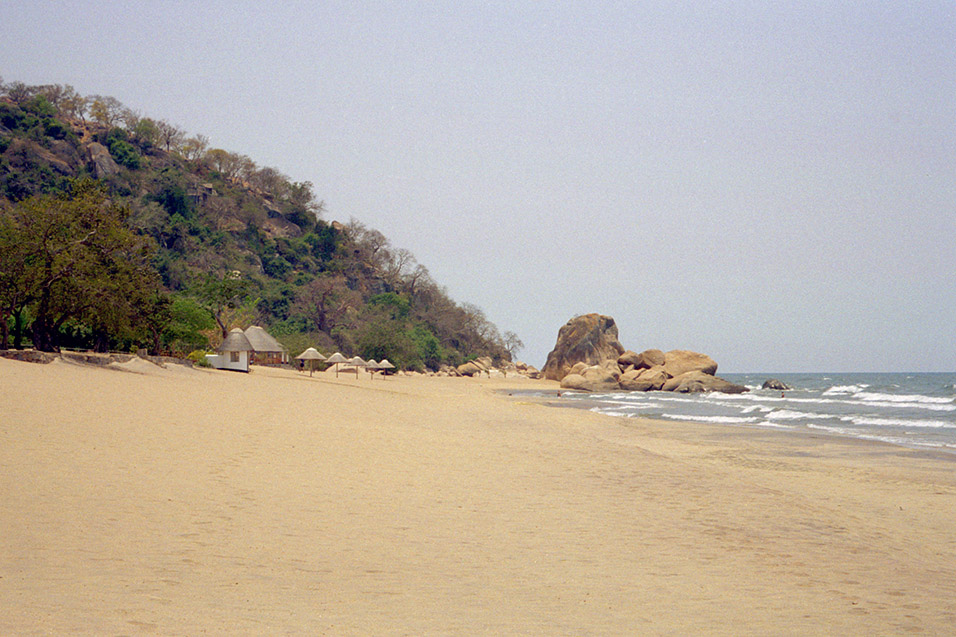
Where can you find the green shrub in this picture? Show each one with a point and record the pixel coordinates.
(125, 154)
(198, 357)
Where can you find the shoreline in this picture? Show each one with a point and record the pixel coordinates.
(771, 432)
(179, 501)
(941, 452)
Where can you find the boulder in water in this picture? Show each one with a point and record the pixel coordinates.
(775, 384)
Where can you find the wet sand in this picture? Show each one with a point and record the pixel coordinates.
(176, 501)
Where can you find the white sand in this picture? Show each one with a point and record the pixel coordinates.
(190, 501)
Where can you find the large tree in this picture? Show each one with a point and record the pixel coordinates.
(78, 259)
(222, 294)
(325, 302)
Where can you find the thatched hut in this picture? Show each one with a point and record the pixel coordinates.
(234, 353)
(266, 349)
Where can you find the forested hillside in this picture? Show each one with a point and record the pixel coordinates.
(119, 231)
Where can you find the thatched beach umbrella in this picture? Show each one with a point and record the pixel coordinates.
(371, 366)
(383, 365)
(311, 355)
(336, 358)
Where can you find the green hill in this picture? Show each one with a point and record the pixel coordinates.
(120, 231)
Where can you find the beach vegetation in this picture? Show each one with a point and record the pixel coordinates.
(180, 241)
(188, 320)
(198, 357)
(72, 258)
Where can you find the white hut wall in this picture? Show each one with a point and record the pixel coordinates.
(236, 361)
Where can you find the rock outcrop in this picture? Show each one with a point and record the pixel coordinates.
(593, 378)
(778, 385)
(481, 365)
(697, 381)
(681, 361)
(645, 360)
(468, 369)
(588, 357)
(644, 379)
(591, 339)
(103, 164)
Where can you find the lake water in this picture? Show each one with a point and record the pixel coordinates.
(914, 410)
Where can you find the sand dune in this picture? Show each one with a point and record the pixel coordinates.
(181, 501)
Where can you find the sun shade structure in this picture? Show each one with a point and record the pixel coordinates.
(371, 366)
(383, 365)
(312, 355)
(355, 365)
(335, 359)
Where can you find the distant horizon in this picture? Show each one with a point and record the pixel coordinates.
(769, 185)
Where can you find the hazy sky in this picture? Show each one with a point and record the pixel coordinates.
(773, 184)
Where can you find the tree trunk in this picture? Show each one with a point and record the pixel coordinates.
(18, 329)
(156, 341)
(4, 331)
(222, 326)
(101, 342)
(43, 337)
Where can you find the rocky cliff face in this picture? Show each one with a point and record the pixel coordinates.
(591, 339)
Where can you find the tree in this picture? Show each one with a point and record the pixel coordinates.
(19, 92)
(325, 302)
(73, 104)
(170, 136)
(188, 320)
(221, 294)
(225, 163)
(194, 148)
(80, 261)
(512, 344)
(145, 132)
(15, 289)
(105, 110)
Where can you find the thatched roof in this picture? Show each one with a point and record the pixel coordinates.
(236, 341)
(384, 364)
(357, 361)
(262, 341)
(336, 358)
(311, 354)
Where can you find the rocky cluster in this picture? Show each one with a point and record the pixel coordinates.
(589, 357)
(484, 366)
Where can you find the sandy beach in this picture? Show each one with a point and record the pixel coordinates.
(177, 501)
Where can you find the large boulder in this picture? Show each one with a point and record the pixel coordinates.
(103, 164)
(651, 379)
(681, 361)
(591, 338)
(698, 381)
(651, 358)
(469, 369)
(628, 359)
(645, 360)
(578, 368)
(594, 378)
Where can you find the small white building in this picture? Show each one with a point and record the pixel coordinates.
(234, 353)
